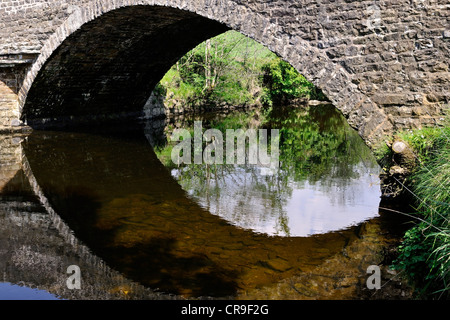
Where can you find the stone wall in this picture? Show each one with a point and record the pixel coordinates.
(13, 70)
(10, 158)
(385, 65)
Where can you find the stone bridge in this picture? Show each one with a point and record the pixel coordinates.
(384, 64)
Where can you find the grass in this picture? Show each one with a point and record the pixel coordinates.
(424, 255)
(239, 68)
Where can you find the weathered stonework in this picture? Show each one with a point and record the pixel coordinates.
(385, 65)
(10, 158)
(13, 70)
(37, 248)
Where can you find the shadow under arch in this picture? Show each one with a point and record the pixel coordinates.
(103, 62)
(107, 69)
(121, 202)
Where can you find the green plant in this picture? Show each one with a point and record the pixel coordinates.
(424, 255)
(231, 69)
(282, 83)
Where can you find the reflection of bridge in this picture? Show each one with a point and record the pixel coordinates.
(37, 246)
(384, 65)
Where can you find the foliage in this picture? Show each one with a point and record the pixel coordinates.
(314, 141)
(383, 153)
(282, 83)
(425, 252)
(317, 147)
(233, 69)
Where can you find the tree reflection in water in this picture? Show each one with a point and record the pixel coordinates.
(327, 179)
(127, 207)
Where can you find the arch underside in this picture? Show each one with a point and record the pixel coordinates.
(107, 68)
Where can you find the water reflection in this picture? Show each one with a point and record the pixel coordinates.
(327, 180)
(118, 198)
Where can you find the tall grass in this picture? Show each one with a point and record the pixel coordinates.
(425, 251)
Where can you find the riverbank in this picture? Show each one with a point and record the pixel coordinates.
(417, 166)
(231, 70)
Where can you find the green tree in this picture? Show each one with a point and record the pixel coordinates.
(283, 84)
(236, 70)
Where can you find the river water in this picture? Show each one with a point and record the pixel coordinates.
(308, 229)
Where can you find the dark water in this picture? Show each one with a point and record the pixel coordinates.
(308, 230)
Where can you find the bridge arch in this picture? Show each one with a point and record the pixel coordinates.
(364, 109)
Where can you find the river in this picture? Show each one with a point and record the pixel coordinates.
(308, 229)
